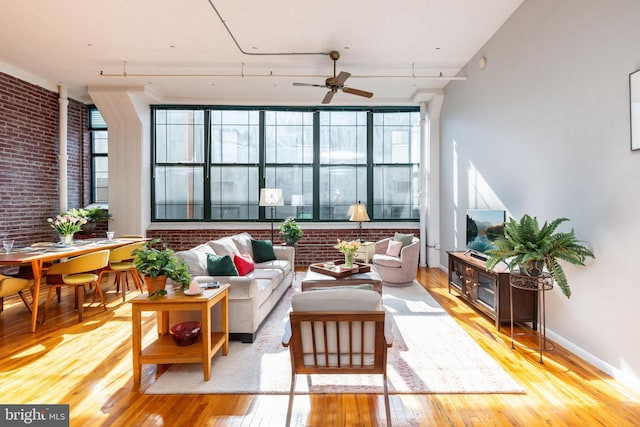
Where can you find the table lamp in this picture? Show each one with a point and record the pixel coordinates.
(271, 197)
(359, 213)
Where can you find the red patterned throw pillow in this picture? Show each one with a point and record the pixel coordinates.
(244, 264)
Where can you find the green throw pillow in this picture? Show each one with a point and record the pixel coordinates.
(221, 265)
(406, 239)
(263, 250)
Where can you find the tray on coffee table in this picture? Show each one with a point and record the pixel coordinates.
(337, 269)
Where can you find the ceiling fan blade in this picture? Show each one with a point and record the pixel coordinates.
(308, 84)
(341, 78)
(328, 97)
(357, 92)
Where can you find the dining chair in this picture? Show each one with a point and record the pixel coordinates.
(10, 285)
(77, 272)
(337, 331)
(121, 263)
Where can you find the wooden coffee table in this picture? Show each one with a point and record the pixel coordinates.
(315, 279)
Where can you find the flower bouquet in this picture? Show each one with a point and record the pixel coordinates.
(67, 225)
(348, 249)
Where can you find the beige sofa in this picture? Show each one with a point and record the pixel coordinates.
(251, 297)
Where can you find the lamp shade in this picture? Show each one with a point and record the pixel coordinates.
(359, 213)
(297, 200)
(271, 197)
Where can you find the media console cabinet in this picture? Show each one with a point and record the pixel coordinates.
(488, 291)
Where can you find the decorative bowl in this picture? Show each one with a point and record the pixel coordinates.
(186, 333)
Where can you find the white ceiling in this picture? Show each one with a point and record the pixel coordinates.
(71, 42)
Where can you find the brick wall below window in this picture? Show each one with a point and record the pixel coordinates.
(315, 246)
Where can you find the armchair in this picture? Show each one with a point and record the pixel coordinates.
(398, 269)
(337, 331)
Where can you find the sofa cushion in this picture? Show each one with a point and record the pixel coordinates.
(196, 259)
(263, 250)
(224, 246)
(393, 248)
(243, 243)
(272, 274)
(218, 265)
(406, 239)
(244, 264)
(386, 261)
(279, 264)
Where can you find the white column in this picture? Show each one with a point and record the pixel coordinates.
(62, 147)
(433, 181)
(424, 182)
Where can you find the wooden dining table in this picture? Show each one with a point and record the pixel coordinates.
(39, 255)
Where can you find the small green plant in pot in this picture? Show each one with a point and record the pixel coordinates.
(158, 265)
(290, 231)
(92, 215)
(532, 248)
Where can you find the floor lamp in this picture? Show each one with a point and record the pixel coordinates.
(271, 197)
(359, 213)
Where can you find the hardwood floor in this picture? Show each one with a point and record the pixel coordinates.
(88, 366)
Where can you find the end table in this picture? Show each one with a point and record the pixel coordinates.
(366, 251)
(164, 350)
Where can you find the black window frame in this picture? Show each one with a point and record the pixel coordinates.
(263, 213)
(96, 126)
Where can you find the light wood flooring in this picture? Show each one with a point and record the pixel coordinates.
(88, 366)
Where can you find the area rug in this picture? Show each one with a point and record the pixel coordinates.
(431, 353)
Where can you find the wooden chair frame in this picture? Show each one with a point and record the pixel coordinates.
(322, 321)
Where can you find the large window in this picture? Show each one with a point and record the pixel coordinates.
(99, 157)
(210, 163)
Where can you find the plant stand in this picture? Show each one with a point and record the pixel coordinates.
(539, 284)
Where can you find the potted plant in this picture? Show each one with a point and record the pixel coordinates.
(530, 248)
(92, 214)
(158, 265)
(290, 231)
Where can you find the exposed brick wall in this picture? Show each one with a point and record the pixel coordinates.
(29, 158)
(316, 244)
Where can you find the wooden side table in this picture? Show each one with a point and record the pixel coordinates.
(164, 350)
(539, 284)
(366, 251)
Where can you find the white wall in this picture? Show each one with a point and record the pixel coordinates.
(544, 130)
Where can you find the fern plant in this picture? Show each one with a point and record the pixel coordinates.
(530, 247)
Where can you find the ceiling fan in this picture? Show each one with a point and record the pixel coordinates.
(337, 82)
